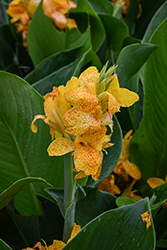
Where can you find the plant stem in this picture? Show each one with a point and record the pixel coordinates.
(69, 193)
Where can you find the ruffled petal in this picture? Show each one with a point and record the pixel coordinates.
(77, 122)
(93, 139)
(61, 146)
(85, 100)
(87, 159)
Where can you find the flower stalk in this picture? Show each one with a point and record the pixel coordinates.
(69, 196)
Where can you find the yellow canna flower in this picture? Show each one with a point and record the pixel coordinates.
(81, 110)
(57, 244)
(124, 167)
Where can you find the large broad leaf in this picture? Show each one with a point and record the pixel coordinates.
(131, 59)
(98, 201)
(149, 144)
(23, 153)
(113, 154)
(157, 19)
(52, 64)
(44, 40)
(120, 228)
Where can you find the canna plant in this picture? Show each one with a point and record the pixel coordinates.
(68, 178)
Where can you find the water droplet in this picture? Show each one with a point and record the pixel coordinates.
(138, 244)
(84, 230)
(133, 239)
(120, 244)
(99, 219)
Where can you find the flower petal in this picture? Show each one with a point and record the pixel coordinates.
(131, 169)
(33, 126)
(155, 182)
(113, 105)
(57, 245)
(61, 146)
(75, 231)
(87, 159)
(78, 121)
(114, 84)
(93, 139)
(86, 100)
(125, 97)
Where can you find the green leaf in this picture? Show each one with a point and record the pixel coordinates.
(124, 201)
(93, 204)
(23, 153)
(11, 191)
(131, 59)
(149, 144)
(84, 14)
(116, 31)
(57, 41)
(160, 192)
(100, 7)
(6, 47)
(148, 10)
(120, 228)
(157, 19)
(113, 154)
(32, 228)
(52, 64)
(4, 246)
(43, 39)
(57, 78)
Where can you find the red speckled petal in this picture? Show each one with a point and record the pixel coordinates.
(61, 146)
(87, 159)
(77, 121)
(93, 139)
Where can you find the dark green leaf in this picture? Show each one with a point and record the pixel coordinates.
(23, 153)
(123, 201)
(40, 29)
(100, 7)
(6, 47)
(52, 64)
(120, 228)
(93, 204)
(59, 77)
(148, 145)
(116, 31)
(84, 13)
(110, 160)
(131, 59)
(157, 19)
(11, 191)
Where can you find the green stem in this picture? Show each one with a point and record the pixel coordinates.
(69, 193)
